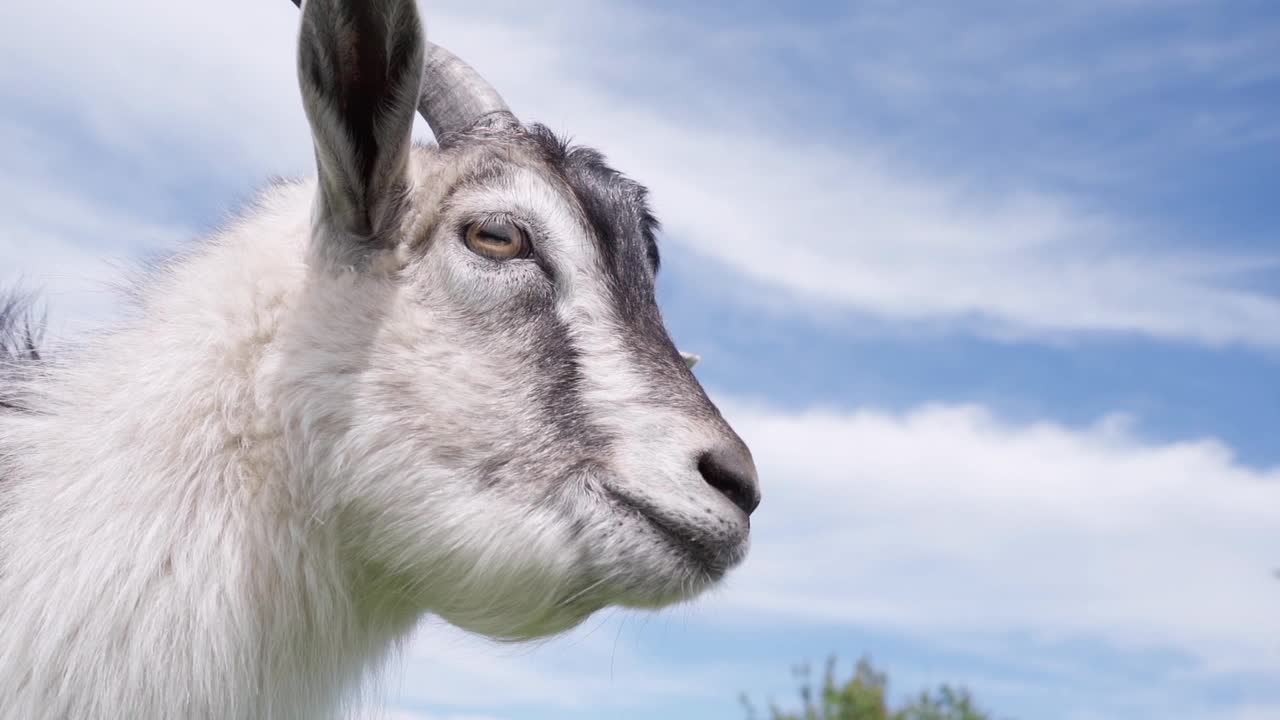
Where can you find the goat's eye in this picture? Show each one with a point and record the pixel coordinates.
(497, 240)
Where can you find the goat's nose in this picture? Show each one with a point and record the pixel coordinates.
(730, 470)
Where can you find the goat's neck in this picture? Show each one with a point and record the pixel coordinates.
(156, 562)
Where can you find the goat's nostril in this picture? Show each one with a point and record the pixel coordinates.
(731, 471)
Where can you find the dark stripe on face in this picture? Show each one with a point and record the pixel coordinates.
(615, 207)
(623, 231)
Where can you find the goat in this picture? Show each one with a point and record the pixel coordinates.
(433, 380)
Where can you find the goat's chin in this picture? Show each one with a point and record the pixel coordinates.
(651, 570)
(671, 555)
(660, 565)
(674, 575)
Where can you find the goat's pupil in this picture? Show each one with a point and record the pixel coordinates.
(495, 236)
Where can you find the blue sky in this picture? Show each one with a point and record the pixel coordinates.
(991, 290)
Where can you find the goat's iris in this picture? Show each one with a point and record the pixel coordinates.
(497, 240)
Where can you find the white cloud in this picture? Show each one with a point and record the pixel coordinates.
(947, 520)
(588, 669)
(64, 244)
(826, 221)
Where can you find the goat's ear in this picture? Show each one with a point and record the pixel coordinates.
(360, 65)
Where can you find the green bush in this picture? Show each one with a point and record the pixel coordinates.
(862, 697)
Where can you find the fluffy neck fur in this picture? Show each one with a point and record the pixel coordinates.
(157, 558)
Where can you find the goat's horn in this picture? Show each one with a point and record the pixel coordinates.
(454, 97)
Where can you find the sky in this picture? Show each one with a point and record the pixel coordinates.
(991, 289)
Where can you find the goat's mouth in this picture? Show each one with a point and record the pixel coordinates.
(707, 556)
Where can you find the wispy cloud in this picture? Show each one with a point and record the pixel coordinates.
(67, 245)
